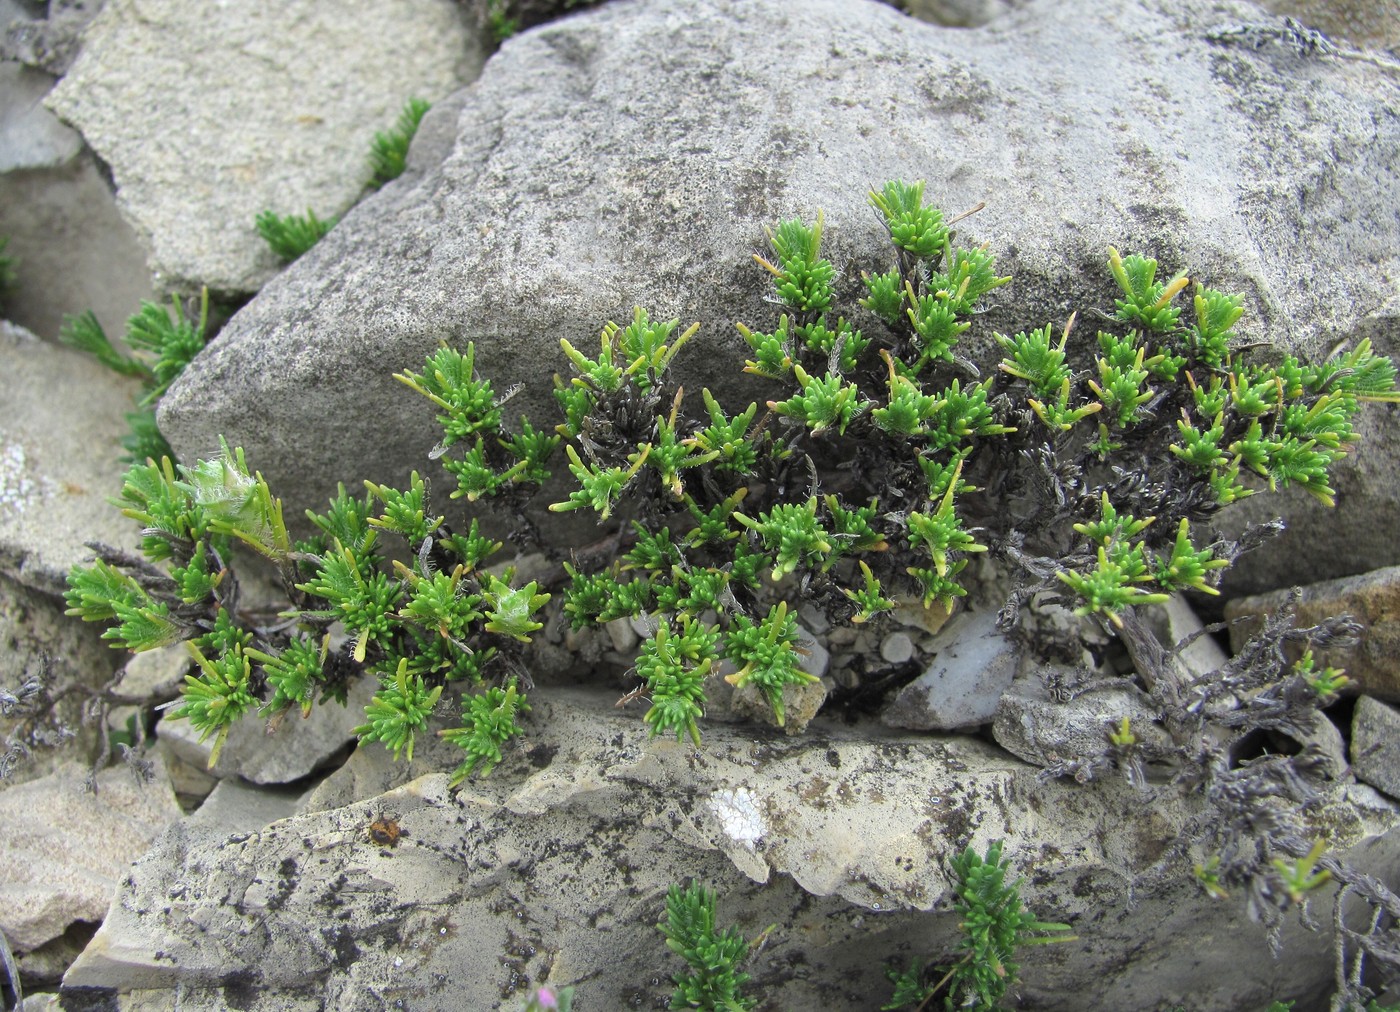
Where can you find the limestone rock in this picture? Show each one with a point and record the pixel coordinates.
(292, 749)
(210, 114)
(555, 869)
(1174, 622)
(30, 136)
(46, 43)
(1375, 745)
(66, 849)
(74, 251)
(40, 645)
(513, 239)
(61, 423)
(1372, 599)
(1043, 731)
(973, 666)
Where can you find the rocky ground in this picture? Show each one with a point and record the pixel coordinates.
(632, 154)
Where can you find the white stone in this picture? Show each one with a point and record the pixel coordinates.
(896, 648)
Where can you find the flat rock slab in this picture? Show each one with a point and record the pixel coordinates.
(288, 750)
(61, 423)
(208, 114)
(66, 849)
(633, 154)
(555, 869)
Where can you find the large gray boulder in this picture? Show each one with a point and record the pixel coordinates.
(555, 869)
(633, 155)
(208, 114)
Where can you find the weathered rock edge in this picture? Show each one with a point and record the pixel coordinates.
(556, 867)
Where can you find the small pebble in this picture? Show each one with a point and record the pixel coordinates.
(843, 636)
(813, 618)
(622, 635)
(897, 648)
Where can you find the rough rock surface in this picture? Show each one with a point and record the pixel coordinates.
(210, 114)
(60, 421)
(633, 154)
(555, 869)
(61, 424)
(1375, 745)
(74, 250)
(65, 849)
(295, 749)
(31, 137)
(1044, 731)
(1372, 599)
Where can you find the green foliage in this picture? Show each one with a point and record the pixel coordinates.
(914, 227)
(295, 673)
(767, 655)
(236, 504)
(862, 485)
(7, 270)
(1325, 683)
(217, 697)
(791, 534)
(994, 924)
(803, 277)
(84, 332)
(1301, 875)
(388, 152)
(821, 402)
(510, 611)
(405, 512)
(398, 711)
(499, 22)
(674, 668)
(359, 596)
(1147, 302)
(489, 721)
(291, 235)
(163, 346)
(599, 487)
(714, 982)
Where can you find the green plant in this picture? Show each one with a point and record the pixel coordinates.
(715, 982)
(388, 152)
(164, 342)
(7, 270)
(994, 925)
(291, 235)
(499, 22)
(1089, 471)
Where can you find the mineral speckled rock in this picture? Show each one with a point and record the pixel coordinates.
(632, 155)
(61, 422)
(66, 848)
(555, 869)
(209, 114)
(1372, 599)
